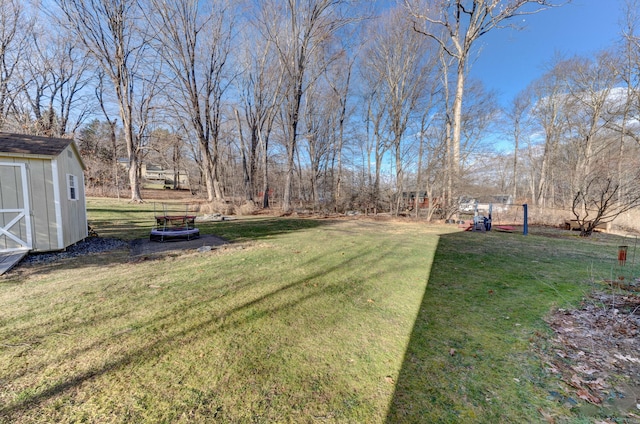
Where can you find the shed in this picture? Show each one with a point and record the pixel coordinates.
(42, 194)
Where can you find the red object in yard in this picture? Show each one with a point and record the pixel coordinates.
(622, 254)
(505, 228)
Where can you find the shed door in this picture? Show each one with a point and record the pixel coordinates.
(15, 216)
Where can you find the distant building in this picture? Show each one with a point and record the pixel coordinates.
(156, 174)
(409, 199)
(153, 174)
(498, 203)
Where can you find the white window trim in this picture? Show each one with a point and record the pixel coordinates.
(72, 183)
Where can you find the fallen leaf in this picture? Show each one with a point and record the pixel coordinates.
(584, 369)
(548, 417)
(452, 351)
(627, 358)
(576, 381)
(584, 394)
(597, 384)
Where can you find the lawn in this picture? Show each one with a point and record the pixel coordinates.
(295, 320)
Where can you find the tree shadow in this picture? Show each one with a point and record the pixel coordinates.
(280, 298)
(260, 228)
(484, 293)
(419, 385)
(233, 231)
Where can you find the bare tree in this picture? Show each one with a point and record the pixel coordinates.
(298, 28)
(456, 26)
(14, 30)
(112, 123)
(590, 85)
(165, 147)
(628, 52)
(95, 144)
(108, 29)
(549, 109)
(261, 87)
(338, 77)
(597, 200)
(517, 115)
(194, 39)
(54, 81)
(479, 117)
(72, 73)
(376, 144)
(431, 153)
(400, 59)
(324, 112)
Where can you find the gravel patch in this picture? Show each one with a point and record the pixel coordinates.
(146, 247)
(92, 245)
(87, 246)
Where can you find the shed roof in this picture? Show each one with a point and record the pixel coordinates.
(23, 144)
(36, 146)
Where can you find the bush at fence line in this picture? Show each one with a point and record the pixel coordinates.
(544, 216)
(216, 206)
(247, 208)
(628, 222)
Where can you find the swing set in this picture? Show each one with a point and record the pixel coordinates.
(515, 215)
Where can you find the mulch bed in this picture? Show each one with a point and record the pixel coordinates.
(595, 352)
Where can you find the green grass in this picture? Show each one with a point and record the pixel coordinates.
(121, 218)
(468, 359)
(295, 321)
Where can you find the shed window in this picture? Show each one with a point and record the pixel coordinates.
(72, 187)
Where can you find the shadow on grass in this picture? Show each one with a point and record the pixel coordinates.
(416, 391)
(280, 298)
(231, 231)
(468, 358)
(460, 364)
(260, 228)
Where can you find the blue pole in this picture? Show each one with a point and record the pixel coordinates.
(525, 231)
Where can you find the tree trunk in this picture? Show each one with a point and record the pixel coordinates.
(399, 178)
(246, 174)
(288, 183)
(264, 141)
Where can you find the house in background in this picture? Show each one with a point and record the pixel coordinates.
(42, 196)
(168, 178)
(409, 200)
(498, 203)
(156, 176)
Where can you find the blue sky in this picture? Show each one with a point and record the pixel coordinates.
(511, 59)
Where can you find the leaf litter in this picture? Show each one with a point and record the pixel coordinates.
(595, 352)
